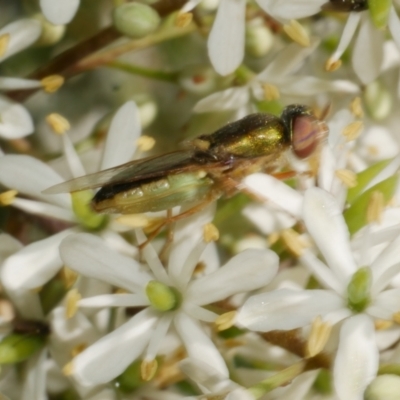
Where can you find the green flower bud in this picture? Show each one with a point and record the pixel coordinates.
(384, 387)
(358, 289)
(51, 34)
(15, 348)
(135, 20)
(259, 38)
(378, 100)
(162, 297)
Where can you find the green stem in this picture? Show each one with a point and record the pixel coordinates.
(148, 73)
(277, 380)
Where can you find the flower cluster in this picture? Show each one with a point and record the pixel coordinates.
(259, 260)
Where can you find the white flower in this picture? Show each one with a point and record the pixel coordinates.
(226, 39)
(15, 121)
(354, 293)
(143, 334)
(59, 12)
(278, 74)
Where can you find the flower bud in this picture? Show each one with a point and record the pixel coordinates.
(385, 387)
(51, 34)
(259, 38)
(15, 348)
(378, 100)
(135, 20)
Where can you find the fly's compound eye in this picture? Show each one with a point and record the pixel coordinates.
(307, 134)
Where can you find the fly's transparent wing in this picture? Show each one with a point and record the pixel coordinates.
(151, 167)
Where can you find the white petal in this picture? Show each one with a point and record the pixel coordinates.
(381, 267)
(30, 176)
(18, 83)
(386, 304)
(34, 386)
(368, 51)
(288, 60)
(198, 345)
(34, 265)
(276, 191)
(286, 309)
(59, 12)
(348, 33)
(229, 99)
(123, 132)
(90, 256)
(115, 300)
(188, 236)
(247, 271)
(357, 358)
(189, 5)
(44, 209)
(394, 26)
(22, 34)
(8, 246)
(226, 39)
(73, 160)
(158, 335)
(289, 9)
(109, 357)
(324, 221)
(15, 120)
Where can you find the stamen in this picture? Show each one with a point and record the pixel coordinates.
(58, 123)
(68, 276)
(348, 178)
(332, 65)
(183, 19)
(4, 40)
(273, 238)
(271, 92)
(353, 130)
(375, 207)
(396, 318)
(382, 324)
(7, 198)
(145, 143)
(356, 107)
(293, 242)
(72, 298)
(233, 343)
(78, 349)
(210, 233)
(52, 83)
(226, 320)
(297, 33)
(319, 335)
(68, 369)
(148, 369)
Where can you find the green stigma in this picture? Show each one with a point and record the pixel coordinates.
(163, 297)
(85, 215)
(358, 290)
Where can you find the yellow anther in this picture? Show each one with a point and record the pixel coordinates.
(210, 233)
(273, 238)
(148, 369)
(7, 198)
(332, 65)
(4, 40)
(232, 343)
(68, 369)
(348, 178)
(72, 299)
(297, 33)
(145, 143)
(293, 242)
(353, 130)
(68, 276)
(134, 220)
(356, 107)
(382, 324)
(226, 320)
(373, 150)
(271, 92)
(319, 335)
(58, 123)
(52, 83)
(396, 318)
(375, 207)
(183, 19)
(78, 349)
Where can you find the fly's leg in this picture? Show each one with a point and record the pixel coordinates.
(170, 220)
(170, 237)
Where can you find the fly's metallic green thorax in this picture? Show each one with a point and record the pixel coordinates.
(256, 135)
(346, 5)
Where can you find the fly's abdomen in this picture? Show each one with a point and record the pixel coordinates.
(156, 195)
